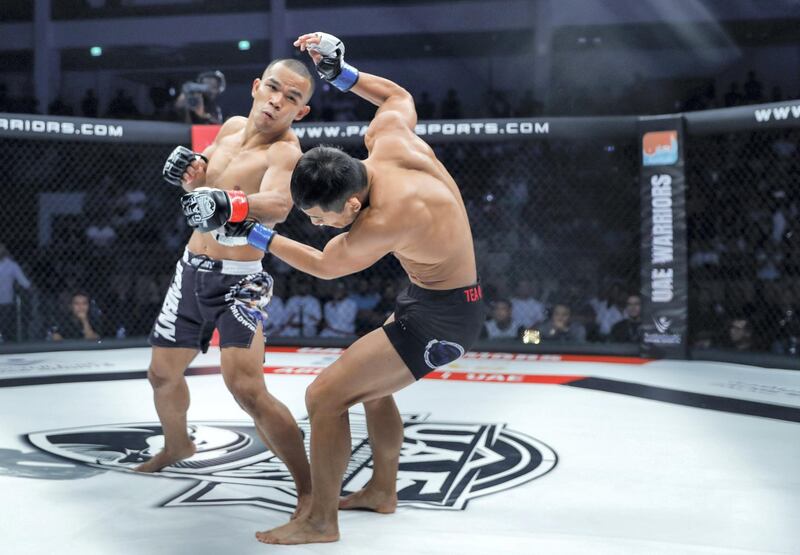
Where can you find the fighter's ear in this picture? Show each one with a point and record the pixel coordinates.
(256, 83)
(302, 113)
(354, 204)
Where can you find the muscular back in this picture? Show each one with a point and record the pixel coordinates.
(412, 188)
(235, 165)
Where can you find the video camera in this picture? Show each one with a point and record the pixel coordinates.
(202, 85)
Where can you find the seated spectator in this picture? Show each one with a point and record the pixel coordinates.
(609, 308)
(629, 330)
(303, 311)
(276, 311)
(385, 306)
(783, 324)
(560, 327)
(82, 321)
(526, 308)
(340, 314)
(502, 324)
(365, 298)
(704, 339)
(740, 334)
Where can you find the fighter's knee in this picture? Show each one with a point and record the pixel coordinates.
(159, 377)
(248, 394)
(321, 398)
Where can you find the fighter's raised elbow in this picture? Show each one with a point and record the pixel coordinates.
(389, 121)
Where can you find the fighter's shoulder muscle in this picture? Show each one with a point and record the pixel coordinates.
(232, 125)
(286, 150)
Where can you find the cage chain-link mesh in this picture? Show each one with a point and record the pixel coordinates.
(744, 246)
(553, 220)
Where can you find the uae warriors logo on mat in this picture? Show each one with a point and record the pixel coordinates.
(442, 465)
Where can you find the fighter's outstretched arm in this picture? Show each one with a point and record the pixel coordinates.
(341, 256)
(345, 254)
(273, 202)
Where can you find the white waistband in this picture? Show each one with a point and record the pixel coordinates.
(230, 267)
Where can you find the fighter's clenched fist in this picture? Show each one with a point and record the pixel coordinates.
(327, 51)
(184, 167)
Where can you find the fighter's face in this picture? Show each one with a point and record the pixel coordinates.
(335, 219)
(279, 98)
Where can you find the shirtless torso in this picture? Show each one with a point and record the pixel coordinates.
(400, 200)
(414, 198)
(236, 163)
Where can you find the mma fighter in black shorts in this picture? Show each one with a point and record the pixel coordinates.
(219, 282)
(402, 201)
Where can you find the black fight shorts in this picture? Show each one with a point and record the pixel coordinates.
(433, 328)
(196, 303)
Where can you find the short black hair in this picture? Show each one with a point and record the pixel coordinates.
(299, 68)
(326, 177)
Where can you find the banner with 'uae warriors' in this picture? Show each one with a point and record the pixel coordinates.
(664, 260)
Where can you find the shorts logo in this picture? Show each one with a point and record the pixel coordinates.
(660, 148)
(441, 353)
(165, 323)
(473, 294)
(442, 465)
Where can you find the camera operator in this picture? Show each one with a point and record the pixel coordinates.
(198, 99)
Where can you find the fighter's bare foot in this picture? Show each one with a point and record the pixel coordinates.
(303, 506)
(370, 499)
(167, 457)
(300, 530)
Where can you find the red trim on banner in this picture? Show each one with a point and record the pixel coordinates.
(203, 136)
(500, 377)
(495, 377)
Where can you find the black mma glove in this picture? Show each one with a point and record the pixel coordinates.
(207, 209)
(177, 162)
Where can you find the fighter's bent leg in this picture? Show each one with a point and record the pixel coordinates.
(370, 369)
(242, 369)
(171, 396)
(385, 427)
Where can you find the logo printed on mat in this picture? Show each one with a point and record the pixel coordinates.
(442, 465)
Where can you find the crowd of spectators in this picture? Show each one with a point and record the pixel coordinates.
(556, 227)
